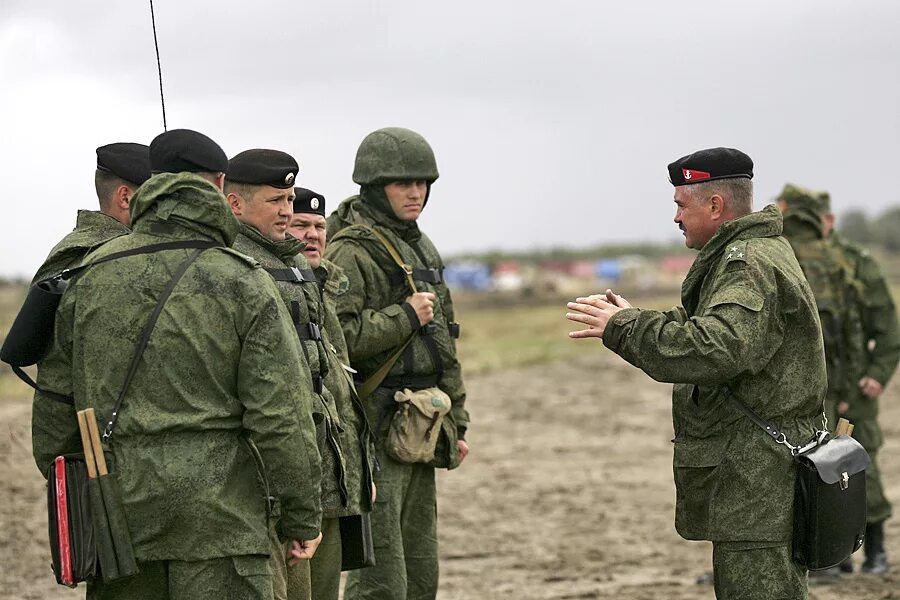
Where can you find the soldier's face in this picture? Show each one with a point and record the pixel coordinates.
(310, 228)
(694, 217)
(407, 198)
(269, 210)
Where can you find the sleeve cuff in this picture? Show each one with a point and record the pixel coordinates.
(614, 334)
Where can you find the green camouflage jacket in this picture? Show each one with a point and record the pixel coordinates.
(214, 420)
(341, 428)
(356, 436)
(375, 317)
(748, 322)
(837, 295)
(879, 314)
(92, 228)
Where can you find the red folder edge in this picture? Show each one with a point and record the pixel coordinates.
(62, 522)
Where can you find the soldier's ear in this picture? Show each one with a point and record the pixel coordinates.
(236, 203)
(716, 206)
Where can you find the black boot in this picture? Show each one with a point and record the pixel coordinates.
(876, 558)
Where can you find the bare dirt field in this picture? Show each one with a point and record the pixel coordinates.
(567, 494)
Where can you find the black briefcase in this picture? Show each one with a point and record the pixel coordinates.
(357, 548)
(830, 502)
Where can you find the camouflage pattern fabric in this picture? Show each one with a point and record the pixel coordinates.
(393, 154)
(92, 228)
(757, 571)
(837, 296)
(234, 578)
(217, 394)
(404, 528)
(748, 321)
(342, 432)
(879, 353)
(371, 310)
(375, 323)
(325, 578)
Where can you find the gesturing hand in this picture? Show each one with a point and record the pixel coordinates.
(595, 312)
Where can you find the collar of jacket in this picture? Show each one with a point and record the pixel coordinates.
(287, 249)
(765, 223)
(95, 218)
(186, 201)
(332, 278)
(370, 208)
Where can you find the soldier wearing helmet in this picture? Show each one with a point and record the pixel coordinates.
(399, 322)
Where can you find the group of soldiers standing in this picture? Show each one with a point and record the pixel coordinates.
(270, 411)
(250, 443)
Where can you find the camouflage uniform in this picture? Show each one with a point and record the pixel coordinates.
(341, 428)
(869, 346)
(92, 228)
(879, 354)
(376, 320)
(214, 418)
(748, 321)
(357, 442)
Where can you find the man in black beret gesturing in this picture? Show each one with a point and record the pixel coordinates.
(121, 169)
(748, 328)
(217, 418)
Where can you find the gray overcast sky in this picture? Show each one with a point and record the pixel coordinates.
(552, 122)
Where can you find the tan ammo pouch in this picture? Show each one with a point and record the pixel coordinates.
(416, 425)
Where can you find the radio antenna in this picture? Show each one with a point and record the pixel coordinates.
(162, 97)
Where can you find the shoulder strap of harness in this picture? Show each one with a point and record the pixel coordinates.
(145, 337)
(293, 275)
(392, 251)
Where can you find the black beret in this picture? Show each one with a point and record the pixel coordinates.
(127, 160)
(184, 150)
(711, 164)
(307, 201)
(263, 167)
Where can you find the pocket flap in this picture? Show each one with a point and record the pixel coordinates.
(836, 457)
(428, 401)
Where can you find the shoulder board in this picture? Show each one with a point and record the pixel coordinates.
(736, 253)
(248, 260)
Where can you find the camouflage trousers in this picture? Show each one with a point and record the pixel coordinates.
(757, 571)
(867, 432)
(878, 508)
(325, 566)
(404, 531)
(288, 583)
(232, 577)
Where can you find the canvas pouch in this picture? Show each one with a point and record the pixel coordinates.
(416, 424)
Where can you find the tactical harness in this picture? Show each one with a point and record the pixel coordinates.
(306, 331)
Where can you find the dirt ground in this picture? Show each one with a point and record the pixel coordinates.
(567, 494)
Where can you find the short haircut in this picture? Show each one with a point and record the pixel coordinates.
(244, 190)
(736, 191)
(106, 184)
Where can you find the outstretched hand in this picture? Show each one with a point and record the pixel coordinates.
(594, 311)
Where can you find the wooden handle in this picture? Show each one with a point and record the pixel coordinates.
(842, 426)
(95, 441)
(86, 444)
(850, 429)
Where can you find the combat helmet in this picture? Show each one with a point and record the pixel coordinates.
(394, 154)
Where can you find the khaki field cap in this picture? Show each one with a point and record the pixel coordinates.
(394, 154)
